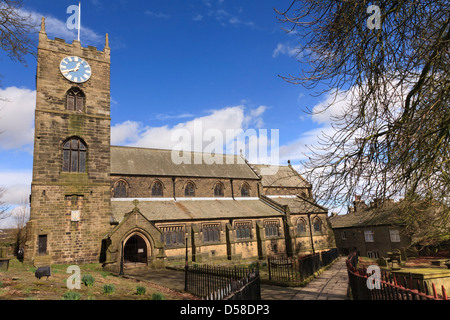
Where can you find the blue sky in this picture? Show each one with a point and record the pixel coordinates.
(173, 62)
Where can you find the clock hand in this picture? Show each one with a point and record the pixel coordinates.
(70, 70)
(74, 69)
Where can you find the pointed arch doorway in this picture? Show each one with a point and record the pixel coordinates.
(136, 249)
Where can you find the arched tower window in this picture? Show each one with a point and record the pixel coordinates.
(120, 189)
(74, 155)
(157, 189)
(75, 100)
(218, 190)
(245, 190)
(189, 190)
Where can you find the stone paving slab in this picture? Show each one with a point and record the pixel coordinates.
(332, 284)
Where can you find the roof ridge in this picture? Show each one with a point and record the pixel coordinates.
(161, 149)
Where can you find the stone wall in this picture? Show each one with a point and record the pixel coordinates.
(140, 186)
(381, 244)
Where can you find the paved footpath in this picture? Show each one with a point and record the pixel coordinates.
(332, 284)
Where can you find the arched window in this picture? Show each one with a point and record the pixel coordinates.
(245, 190)
(189, 190)
(74, 155)
(218, 190)
(157, 189)
(120, 189)
(75, 100)
(317, 225)
(301, 226)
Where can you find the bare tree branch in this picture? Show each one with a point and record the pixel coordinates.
(393, 138)
(16, 31)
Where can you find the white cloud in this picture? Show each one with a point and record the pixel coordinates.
(334, 105)
(254, 117)
(17, 107)
(224, 17)
(324, 114)
(58, 28)
(157, 15)
(236, 21)
(136, 134)
(235, 118)
(10, 178)
(17, 186)
(198, 17)
(125, 132)
(16, 194)
(287, 49)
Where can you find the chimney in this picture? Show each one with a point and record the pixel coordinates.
(359, 204)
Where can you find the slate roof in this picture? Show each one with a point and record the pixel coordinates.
(285, 176)
(298, 204)
(158, 162)
(386, 215)
(167, 209)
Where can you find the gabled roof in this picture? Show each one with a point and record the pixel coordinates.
(166, 209)
(158, 162)
(285, 176)
(385, 215)
(298, 204)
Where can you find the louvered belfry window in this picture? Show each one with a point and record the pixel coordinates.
(75, 100)
(74, 155)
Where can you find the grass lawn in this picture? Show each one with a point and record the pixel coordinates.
(20, 283)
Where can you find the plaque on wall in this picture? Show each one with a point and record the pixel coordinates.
(75, 215)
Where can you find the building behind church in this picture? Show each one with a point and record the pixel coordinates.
(93, 202)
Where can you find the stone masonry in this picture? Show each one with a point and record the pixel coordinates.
(55, 194)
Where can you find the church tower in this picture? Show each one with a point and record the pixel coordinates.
(70, 192)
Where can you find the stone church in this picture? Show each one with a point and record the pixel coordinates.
(93, 202)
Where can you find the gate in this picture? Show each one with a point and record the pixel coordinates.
(223, 283)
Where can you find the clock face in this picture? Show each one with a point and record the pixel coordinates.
(75, 69)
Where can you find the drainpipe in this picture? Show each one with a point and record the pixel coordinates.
(232, 191)
(173, 184)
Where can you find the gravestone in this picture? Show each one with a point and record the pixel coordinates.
(43, 272)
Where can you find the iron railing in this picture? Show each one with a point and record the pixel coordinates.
(223, 283)
(388, 286)
(294, 271)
